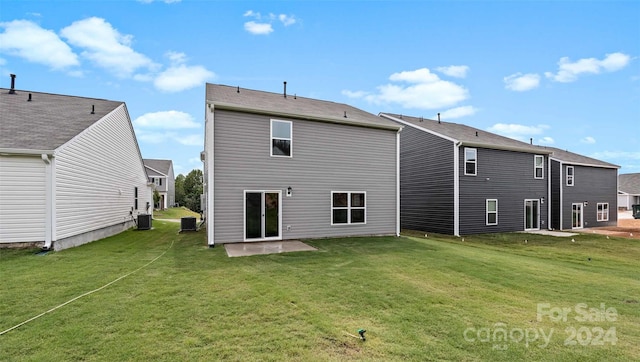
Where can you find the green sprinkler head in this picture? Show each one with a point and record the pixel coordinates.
(361, 333)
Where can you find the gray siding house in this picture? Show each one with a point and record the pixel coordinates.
(583, 191)
(628, 190)
(70, 170)
(161, 176)
(456, 179)
(278, 166)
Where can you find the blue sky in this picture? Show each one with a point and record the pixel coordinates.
(566, 74)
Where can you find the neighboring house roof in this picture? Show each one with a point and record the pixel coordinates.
(292, 106)
(576, 159)
(151, 172)
(629, 183)
(47, 121)
(161, 167)
(467, 135)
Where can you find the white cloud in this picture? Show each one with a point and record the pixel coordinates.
(588, 140)
(166, 120)
(258, 28)
(181, 77)
(522, 82)
(424, 91)
(106, 47)
(609, 155)
(546, 141)
(518, 131)
(287, 20)
(457, 112)
(569, 71)
(457, 71)
(191, 140)
(28, 40)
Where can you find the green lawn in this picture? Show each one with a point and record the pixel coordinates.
(418, 298)
(174, 213)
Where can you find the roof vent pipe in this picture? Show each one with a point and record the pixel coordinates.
(13, 84)
(93, 109)
(29, 100)
(438, 117)
(345, 114)
(285, 89)
(476, 133)
(238, 90)
(531, 140)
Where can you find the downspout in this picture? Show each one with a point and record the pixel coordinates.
(49, 224)
(209, 159)
(549, 221)
(456, 188)
(398, 182)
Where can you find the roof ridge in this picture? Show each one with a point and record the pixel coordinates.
(63, 95)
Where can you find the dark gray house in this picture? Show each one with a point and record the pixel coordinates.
(628, 190)
(279, 166)
(583, 191)
(456, 179)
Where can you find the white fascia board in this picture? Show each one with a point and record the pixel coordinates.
(583, 164)
(24, 152)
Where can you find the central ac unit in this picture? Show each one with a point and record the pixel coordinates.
(188, 224)
(144, 221)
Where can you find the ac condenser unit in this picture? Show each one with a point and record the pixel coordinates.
(188, 224)
(144, 221)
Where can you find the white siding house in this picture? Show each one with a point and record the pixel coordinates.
(161, 175)
(70, 170)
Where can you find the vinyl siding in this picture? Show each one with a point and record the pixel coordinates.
(426, 181)
(506, 176)
(326, 157)
(592, 185)
(96, 173)
(22, 199)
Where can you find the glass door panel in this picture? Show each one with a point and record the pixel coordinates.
(271, 217)
(253, 215)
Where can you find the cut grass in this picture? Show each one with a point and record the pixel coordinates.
(174, 213)
(415, 296)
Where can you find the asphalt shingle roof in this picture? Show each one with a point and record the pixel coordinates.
(629, 183)
(229, 97)
(570, 157)
(469, 136)
(162, 166)
(47, 121)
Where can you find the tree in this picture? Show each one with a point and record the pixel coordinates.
(192, 190)
(179, 189)
(156, 199)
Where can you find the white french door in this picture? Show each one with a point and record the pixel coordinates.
(532, 214)
(577, 217)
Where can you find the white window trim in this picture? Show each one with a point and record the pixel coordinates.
(570, 177)
(349, 208)
(487, 212)
(606, 216)
(271, 138)
(474, 162)
(536, 167)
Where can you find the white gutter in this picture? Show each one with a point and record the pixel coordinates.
(456, 188)
(22, 151)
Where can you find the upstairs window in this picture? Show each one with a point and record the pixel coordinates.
(470, 161)
(281, 137)
(348, 207)
(603, 211)
(492, 212)
(538, 168)
(569, 175)
(135, 198)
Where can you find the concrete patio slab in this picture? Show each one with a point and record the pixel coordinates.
(266, 247)
(563, 234)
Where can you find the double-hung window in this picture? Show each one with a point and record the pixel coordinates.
(603, 211)
(538, 167)
(492, 212)
(569, 175)
(281, 138)
(348, 207)
(135, 198)
(470, 161)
